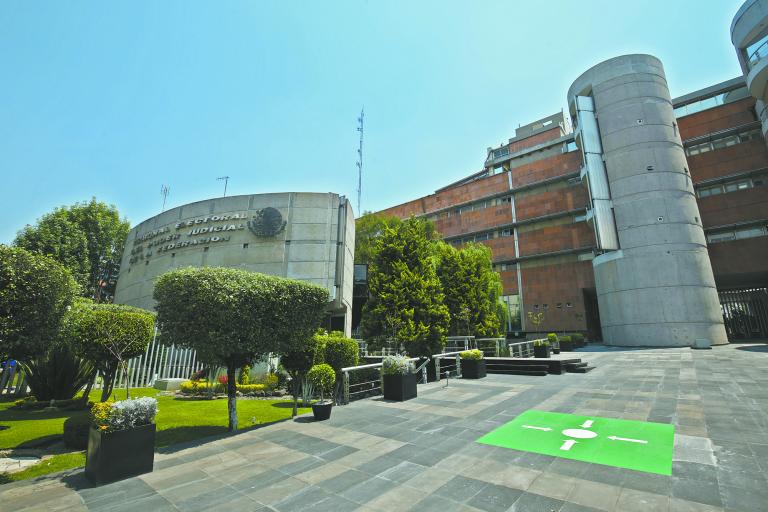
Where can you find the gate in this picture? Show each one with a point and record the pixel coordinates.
(745, 313)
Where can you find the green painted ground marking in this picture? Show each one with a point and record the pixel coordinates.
(638, 445)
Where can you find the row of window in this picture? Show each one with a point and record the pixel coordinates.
(737, 234)
(712, 102)
(733, 185)
(723, 142)
(498, 153)
(559, 305)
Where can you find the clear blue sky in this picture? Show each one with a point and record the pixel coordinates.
(114, 99)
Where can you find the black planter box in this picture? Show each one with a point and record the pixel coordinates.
(472, 368)
(555, 350)
(566, 346)
(117, 455)
(400, 387)
(322, 411)
(541, 351)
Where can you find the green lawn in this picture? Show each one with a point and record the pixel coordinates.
(177, 421)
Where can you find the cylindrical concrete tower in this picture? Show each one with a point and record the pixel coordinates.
(654, 280)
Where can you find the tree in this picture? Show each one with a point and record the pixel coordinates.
(231, 316)
(108, 335)
(87, 238)
(406, 297)
(298, 361)
(472, 289)
(368, 228)
(340, 352)
(35, 292)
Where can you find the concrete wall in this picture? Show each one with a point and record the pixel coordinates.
(658, 289)
(315, 245)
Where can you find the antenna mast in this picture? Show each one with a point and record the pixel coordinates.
(164, 189)
(360, 160)
(226, 180)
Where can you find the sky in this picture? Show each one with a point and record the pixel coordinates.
(115, 99)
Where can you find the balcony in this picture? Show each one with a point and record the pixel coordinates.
(749, 34)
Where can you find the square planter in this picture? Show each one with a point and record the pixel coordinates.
(400, 387)
(472, 368)
(117, 455)
(566, 346)
(542, 351)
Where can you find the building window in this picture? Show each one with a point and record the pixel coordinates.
(506, 232)
(482, 236)
(733, 186)
(245, 246)
(571, 147)
(723, 141)
(498, 153)
(737, 234)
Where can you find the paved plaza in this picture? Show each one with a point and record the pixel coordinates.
(422, 455)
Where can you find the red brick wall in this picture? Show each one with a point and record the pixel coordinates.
(722, 162)
(535, 140)
(740, 262)
(554, 201)
(561, 283)
(734, 207)
(502, 248)
(557, 165)
(556, 238)
(717, 119)
(474, 221)
(509, 281)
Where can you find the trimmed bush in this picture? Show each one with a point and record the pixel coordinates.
(552, 337)
(566, 339)
(473, 355)
(577, 337)
(322, 377)
(245, 375)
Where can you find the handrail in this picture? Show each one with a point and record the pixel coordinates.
(345, 375)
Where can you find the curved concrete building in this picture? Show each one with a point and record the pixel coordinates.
(653, 276)
(749, 35)
(306, 236)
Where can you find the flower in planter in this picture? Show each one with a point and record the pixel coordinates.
(541, 343)
(472, 355)
(125, 414)
(396, 365)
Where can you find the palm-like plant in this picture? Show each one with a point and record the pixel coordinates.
(58, 374)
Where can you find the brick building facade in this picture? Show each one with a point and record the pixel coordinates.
(530, 206)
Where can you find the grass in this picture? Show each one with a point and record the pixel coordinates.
(178, 420)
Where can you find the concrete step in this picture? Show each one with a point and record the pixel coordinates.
(580, 369)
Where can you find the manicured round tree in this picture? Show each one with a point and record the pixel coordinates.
(298, 361)
(108, 335)
(231, 316)
(35, 293)
(322, 378)
(340, 352)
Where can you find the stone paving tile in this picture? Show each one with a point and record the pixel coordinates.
(377, 455)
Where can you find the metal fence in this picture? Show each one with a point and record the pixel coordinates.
(745, 313)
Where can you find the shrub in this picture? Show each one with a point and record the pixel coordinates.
(223, 379)
(577, 337)
(251, 388)
(76, 432)
(30, 403)
(200, 387)
(58, 374)
(552, 337)
(270, 381)
(473, 355)
(396, 365)
(125, 414)
(322, 378)
(199, 375)
(340, 352)
(543, 342)
(245, 375)
(565, 338)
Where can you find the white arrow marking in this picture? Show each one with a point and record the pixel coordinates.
(537, 428)
(567, 444)
(614, 438)
(587, 424)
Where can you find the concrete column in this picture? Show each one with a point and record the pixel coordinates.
(658, 288)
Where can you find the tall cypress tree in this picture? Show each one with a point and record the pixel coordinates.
(406, 297)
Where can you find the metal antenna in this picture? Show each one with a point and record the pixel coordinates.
(164, 189)
(360, 160)
(226, 180)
